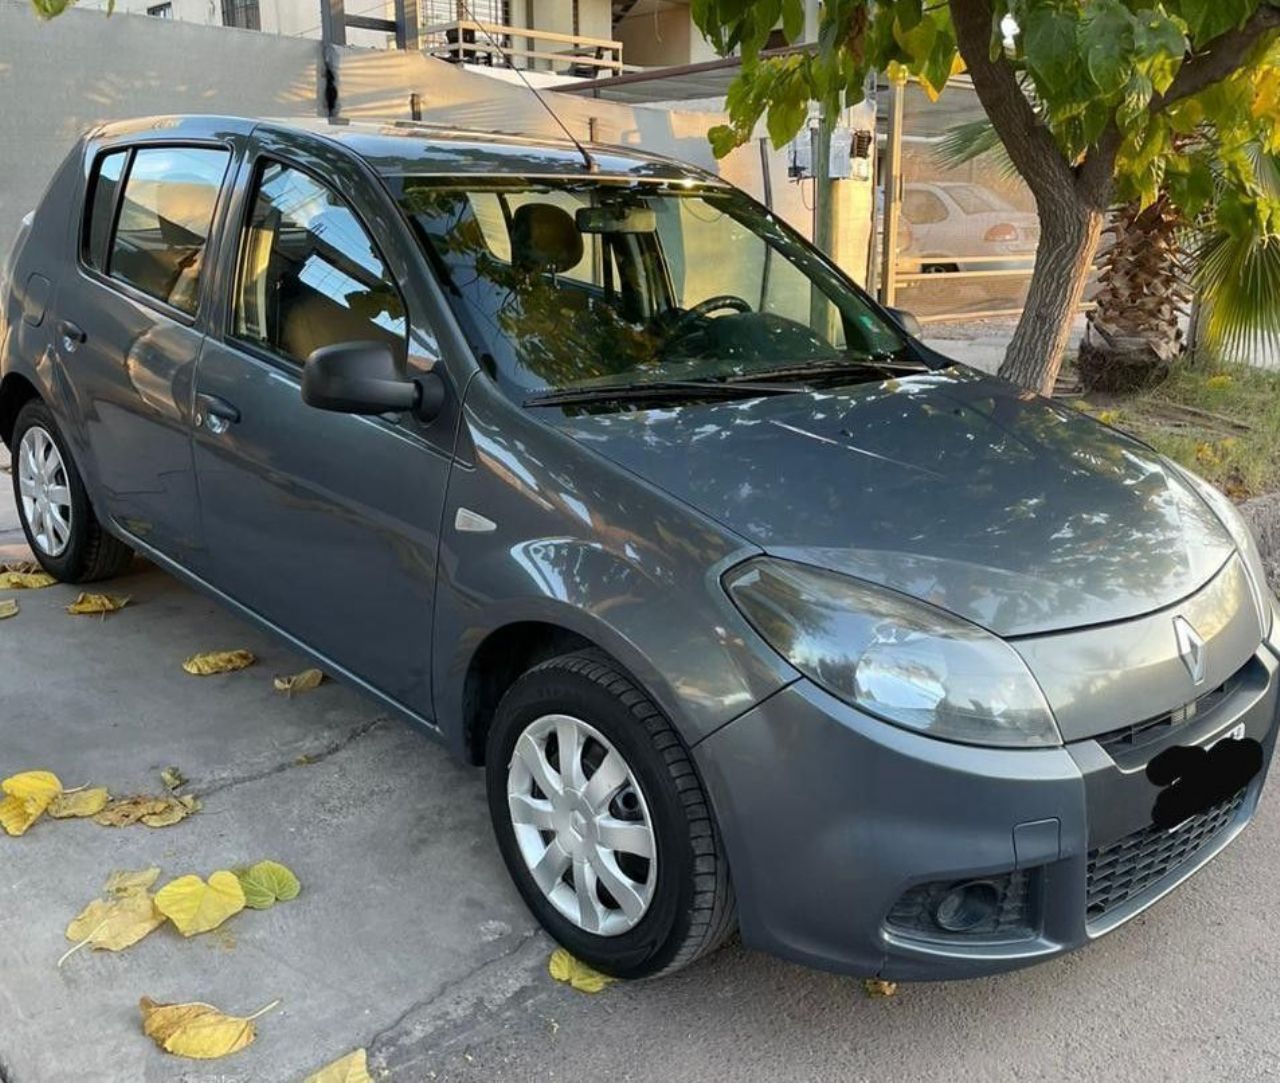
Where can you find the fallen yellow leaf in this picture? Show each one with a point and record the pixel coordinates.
(95, 604)
(267, 883)
(115, 924)
(197, 1031)
(353, 1068)
(173, 778)
(79, 804)
(878, 988)
(8, 608)
(25, 580)
(131, 881)
(564, 967)
(205, 665)
(195, 906)
(147, 809)
(300, 682)
(27, 796)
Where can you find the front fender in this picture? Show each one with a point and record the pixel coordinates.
(581, 544)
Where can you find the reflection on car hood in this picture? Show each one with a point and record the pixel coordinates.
(956, 488)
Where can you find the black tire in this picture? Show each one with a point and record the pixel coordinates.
(91, 553)
(693, 909)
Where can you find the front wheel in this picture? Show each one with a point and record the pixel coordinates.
(602, 821)
(53, 504)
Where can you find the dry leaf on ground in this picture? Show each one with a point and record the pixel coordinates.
(115, 924)
(173, 778)
(79, 804)
(198, 1031)
(205, 665)
(131, 881)
(267, 883)
(877, 987)
(300, 682)
(353, 1068)
(152, 811)
(25, 580)
(8, 608)
(564, 967)
(27, 795)
(88, 605)
(22, 567)
(195, 906)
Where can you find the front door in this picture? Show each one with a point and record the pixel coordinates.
(325, 524)
(127, 334)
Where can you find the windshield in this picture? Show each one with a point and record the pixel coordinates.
(564, 285)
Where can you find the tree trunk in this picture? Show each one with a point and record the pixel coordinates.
(1134, 333)
(1069, 232)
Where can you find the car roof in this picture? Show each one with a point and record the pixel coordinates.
(421, 149)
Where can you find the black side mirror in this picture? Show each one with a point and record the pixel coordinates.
(907, 321)
(361, 378)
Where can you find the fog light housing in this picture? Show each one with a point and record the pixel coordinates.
(967, 906)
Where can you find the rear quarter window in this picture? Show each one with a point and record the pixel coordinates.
(103, 186)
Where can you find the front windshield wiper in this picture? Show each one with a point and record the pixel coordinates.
(882, 363)
(659, 390)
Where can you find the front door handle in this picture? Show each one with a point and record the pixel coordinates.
(215, 414)
(72, 335)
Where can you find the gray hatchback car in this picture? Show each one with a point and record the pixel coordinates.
(758, 612)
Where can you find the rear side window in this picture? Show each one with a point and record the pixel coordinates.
(310, 274)
(164, 220)
(102, 202)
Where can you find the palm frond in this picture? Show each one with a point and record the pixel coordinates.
(1237, 278)
(974, 139)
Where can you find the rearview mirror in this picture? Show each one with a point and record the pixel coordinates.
(907, 321)
(615, 218)
(361, 378)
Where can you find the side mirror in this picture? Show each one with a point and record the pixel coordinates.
(361, 378)
(907, 321)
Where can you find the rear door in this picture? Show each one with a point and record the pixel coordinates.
(325, 524)
(128, 334)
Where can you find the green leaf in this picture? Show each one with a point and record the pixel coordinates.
(916, 42)
(909, 13)
(267, 883)
(1159, 47)
(1106, 39)
(1206, 19)
(1049, 43)
(793, 20)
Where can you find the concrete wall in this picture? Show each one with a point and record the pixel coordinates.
(662, 36)
(61, 77)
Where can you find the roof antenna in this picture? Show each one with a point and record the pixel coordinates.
(589, 161)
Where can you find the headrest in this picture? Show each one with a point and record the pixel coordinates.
(544, 238)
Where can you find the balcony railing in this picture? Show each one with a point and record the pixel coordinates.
(463, 41)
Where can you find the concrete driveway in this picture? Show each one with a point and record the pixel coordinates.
(408, 938)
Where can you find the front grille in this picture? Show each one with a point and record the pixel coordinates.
(913, 913)
(1128, 867)
(1126, 741)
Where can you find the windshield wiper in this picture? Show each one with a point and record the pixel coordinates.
(659, 390)
(823, 369)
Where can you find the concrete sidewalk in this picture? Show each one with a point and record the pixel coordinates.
(409, 939)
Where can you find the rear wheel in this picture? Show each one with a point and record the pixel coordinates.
(61, 528)
(602, 820)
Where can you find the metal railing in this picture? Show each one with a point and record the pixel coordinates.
(464, 41)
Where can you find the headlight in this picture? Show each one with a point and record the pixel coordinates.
(1240, 533)
(900, 660)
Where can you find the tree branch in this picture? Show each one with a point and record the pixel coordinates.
(1220, 59)
(1031, 146)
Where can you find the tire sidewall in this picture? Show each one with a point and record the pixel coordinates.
(69, 564)
(646, 948)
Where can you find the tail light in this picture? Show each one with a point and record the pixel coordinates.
(1003, 232)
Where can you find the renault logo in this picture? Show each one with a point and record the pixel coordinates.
(1191, 648)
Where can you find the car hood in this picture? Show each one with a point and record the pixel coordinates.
(1003, 507)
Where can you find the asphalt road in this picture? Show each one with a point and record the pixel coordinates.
(408, 939)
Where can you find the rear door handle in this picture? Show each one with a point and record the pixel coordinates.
(72, 334)
(215, 414)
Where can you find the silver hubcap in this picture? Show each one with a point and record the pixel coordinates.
(582, 825)
(45, 491)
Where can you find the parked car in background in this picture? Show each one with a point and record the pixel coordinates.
(756, 610)
(960, 226)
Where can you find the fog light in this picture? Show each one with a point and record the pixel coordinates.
(967, 906)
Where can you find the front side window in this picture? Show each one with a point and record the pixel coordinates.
(566, 284)
(103, 187)
(310, 275)
(164, 221)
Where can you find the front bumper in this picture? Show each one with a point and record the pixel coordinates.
(831, 818)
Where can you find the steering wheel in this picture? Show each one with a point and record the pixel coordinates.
(687, 319)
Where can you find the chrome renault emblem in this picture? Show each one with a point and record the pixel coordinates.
(1191, 648)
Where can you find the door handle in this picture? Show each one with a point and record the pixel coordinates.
(72, 334)
(215, 414)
